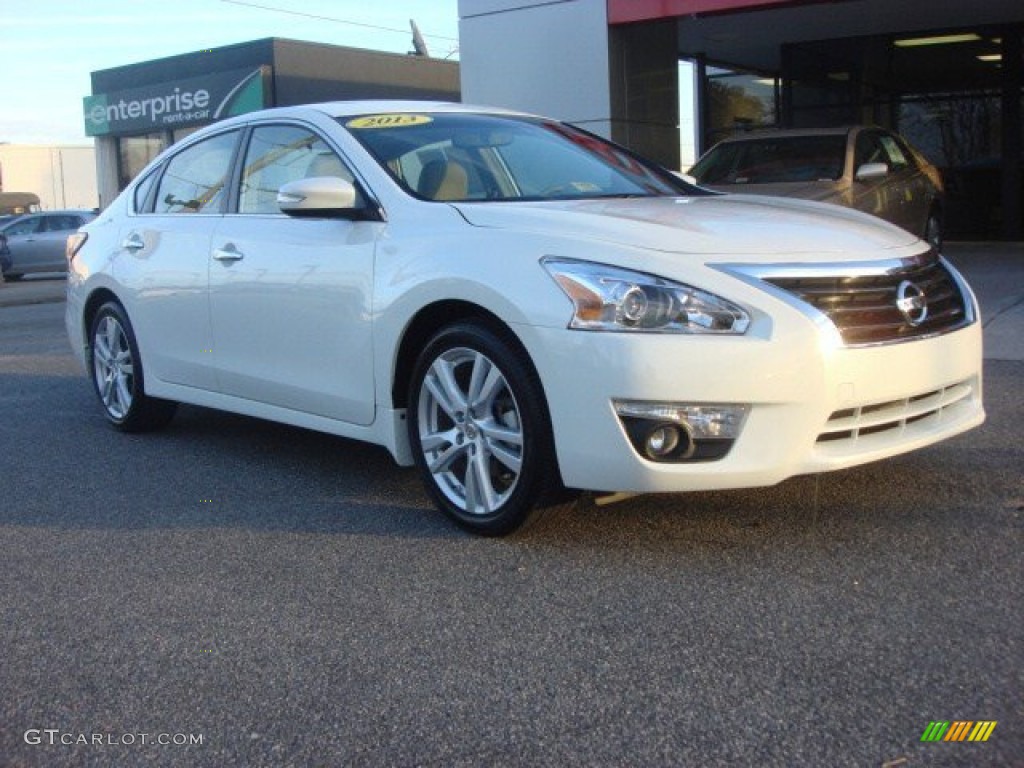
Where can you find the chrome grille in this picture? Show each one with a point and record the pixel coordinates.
(864, 308)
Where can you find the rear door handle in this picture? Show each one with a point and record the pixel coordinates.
(133, 243)
(228, 253)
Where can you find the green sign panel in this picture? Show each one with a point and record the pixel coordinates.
(175, 104)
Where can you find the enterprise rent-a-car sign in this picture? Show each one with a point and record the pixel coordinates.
(175, 104)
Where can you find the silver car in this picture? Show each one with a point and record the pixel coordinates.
(34, 242)
(870, 169)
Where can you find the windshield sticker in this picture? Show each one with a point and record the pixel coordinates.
(388, 121)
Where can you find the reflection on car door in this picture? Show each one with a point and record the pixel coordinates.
(26, 244)
(48, 253)
(875, 196)
(918, 192)
(165, 258)
(290, 298)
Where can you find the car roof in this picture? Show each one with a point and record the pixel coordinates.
(58, 211)
(338, 109)
(795, 133)
(6, 220)
(346, 108)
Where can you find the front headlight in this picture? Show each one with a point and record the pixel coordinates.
(613, 299)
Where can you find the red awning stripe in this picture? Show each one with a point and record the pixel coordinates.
(629, 11)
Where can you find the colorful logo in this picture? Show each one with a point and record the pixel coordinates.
(958, 730)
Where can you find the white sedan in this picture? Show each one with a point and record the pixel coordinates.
(515, 306)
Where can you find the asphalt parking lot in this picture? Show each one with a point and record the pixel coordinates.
(290, 598)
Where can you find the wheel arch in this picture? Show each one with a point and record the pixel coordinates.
(96, 299)
(430, 319)
(543, 481)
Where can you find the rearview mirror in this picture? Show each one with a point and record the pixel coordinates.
(871, 171)
(322, 196)
(481, 139)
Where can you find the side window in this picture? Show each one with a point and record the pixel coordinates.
(60, 223)
(869, 150)
(897, 157)
(880, 148)
(913, 158)
(142, 192)
(277, 155)
(195, 180)
(25, 227)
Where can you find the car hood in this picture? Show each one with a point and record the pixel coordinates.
(740, 227)
(822, 191)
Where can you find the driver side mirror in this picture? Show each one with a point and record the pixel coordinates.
(319, 197)
(871, 171)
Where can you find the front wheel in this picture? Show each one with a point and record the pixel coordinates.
(117, 376)
(480, 431)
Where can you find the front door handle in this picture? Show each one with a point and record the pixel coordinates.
(228, 253)
(133, 243)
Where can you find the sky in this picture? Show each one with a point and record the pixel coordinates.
(48, 48)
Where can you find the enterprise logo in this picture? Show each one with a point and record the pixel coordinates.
(191, 101)
(178, 101)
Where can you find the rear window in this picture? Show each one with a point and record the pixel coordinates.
(773, 161)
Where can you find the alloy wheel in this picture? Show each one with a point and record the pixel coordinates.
(113, 367)
(471, 432)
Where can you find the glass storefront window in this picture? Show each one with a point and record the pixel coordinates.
(180, 133)
(960, 134)
(134, 153)
(739, 101)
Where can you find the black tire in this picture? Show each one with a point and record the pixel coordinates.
(480, 431)
(115, 368)
(12, 277)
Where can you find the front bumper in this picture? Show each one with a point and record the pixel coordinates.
(815, 405)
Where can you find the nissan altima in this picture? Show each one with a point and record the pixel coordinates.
(519, 308)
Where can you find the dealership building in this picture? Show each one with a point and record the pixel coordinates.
(136, 111)
(947, 74)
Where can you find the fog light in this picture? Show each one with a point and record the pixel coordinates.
(680, 432)
(705, 420)
(662, 440)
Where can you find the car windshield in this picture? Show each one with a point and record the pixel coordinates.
(773, 160)
(463, 157)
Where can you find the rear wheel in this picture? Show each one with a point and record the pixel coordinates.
(480, 431)
(117, 375)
